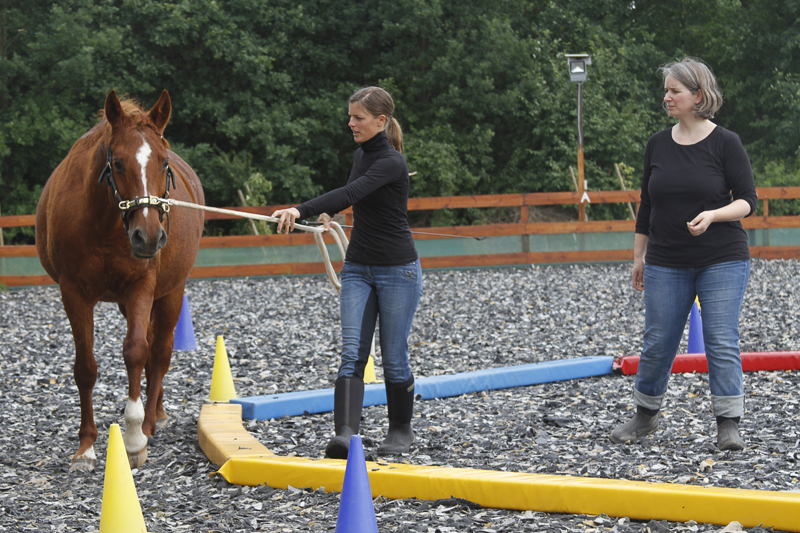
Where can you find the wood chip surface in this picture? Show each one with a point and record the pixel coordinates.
(283, 334)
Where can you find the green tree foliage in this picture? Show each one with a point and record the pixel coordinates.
(753, 46)
(260, 87)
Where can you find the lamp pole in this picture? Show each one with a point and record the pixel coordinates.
(577, 64)
(581, 180)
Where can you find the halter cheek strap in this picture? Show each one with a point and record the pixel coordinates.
(126, 206)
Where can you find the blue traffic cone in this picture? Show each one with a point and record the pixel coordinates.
(184, 331)
(696, 343)
(356, 511)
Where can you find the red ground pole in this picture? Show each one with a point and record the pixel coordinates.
(696, 362)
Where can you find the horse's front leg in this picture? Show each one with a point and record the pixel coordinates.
(135, 351)
(166, 312)
(81, 319)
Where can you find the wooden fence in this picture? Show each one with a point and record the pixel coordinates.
(524, 233)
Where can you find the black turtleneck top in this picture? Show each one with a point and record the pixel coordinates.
(378, 191)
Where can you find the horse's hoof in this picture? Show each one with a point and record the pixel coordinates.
(82, 464)
(161, 423)
(137, 459)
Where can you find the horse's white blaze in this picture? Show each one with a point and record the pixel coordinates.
(143, 156)
(134, 439)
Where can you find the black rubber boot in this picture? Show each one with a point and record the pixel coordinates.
(400, 404)
(728, 434)
(348, 398)
(644, 422)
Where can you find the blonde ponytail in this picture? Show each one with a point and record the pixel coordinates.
(395, 134)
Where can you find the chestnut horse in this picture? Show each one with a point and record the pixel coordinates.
(104, 232)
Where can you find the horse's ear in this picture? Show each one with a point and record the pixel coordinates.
(113, 109)
(161, 112)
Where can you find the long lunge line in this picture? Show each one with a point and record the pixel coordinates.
(338, 234)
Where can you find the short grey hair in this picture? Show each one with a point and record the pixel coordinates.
(696, 76)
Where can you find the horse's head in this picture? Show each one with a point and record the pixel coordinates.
(137, 169)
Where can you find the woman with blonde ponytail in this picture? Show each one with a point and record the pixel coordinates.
(381, 276)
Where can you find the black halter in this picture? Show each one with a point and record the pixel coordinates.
(126, 206)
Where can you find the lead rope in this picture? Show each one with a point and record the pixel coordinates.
(341, 241)
(338, 234)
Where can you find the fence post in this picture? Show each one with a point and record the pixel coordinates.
(244, 204)
(622, 183)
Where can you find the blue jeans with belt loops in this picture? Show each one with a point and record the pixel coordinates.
(390, 294)
(669, 294)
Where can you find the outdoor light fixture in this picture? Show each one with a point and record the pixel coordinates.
(577, 64)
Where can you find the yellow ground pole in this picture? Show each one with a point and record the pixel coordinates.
(245, 461)
(222, 436)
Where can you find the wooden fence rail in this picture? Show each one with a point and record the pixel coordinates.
(526, 253)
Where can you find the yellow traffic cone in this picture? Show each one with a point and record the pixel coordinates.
(222, 389)
(369, 371)
(120, 511)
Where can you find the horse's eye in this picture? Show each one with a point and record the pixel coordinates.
(165, 165)
(119, 166)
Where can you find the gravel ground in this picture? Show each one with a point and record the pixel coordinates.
(282, 334)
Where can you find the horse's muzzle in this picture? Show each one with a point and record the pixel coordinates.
(145, 246)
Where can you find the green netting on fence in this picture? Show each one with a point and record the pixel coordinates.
(565, 242)
(21, 266)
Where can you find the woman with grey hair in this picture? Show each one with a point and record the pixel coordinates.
(696, 187)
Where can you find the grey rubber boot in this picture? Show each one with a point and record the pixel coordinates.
(640, 425)
(400, 404)
(348, 398)
(728, 435)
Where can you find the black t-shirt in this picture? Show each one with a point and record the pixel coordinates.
(378, 191)
(681, 181)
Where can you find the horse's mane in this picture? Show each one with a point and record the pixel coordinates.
(129, 107)
(135, 113)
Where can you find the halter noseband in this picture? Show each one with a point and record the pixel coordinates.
(126, 206)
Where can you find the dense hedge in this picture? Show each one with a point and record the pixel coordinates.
(259, 87)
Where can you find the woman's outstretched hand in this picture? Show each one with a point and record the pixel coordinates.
(286, 218)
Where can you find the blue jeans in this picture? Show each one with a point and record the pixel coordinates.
(669, 294)
(368, 292)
